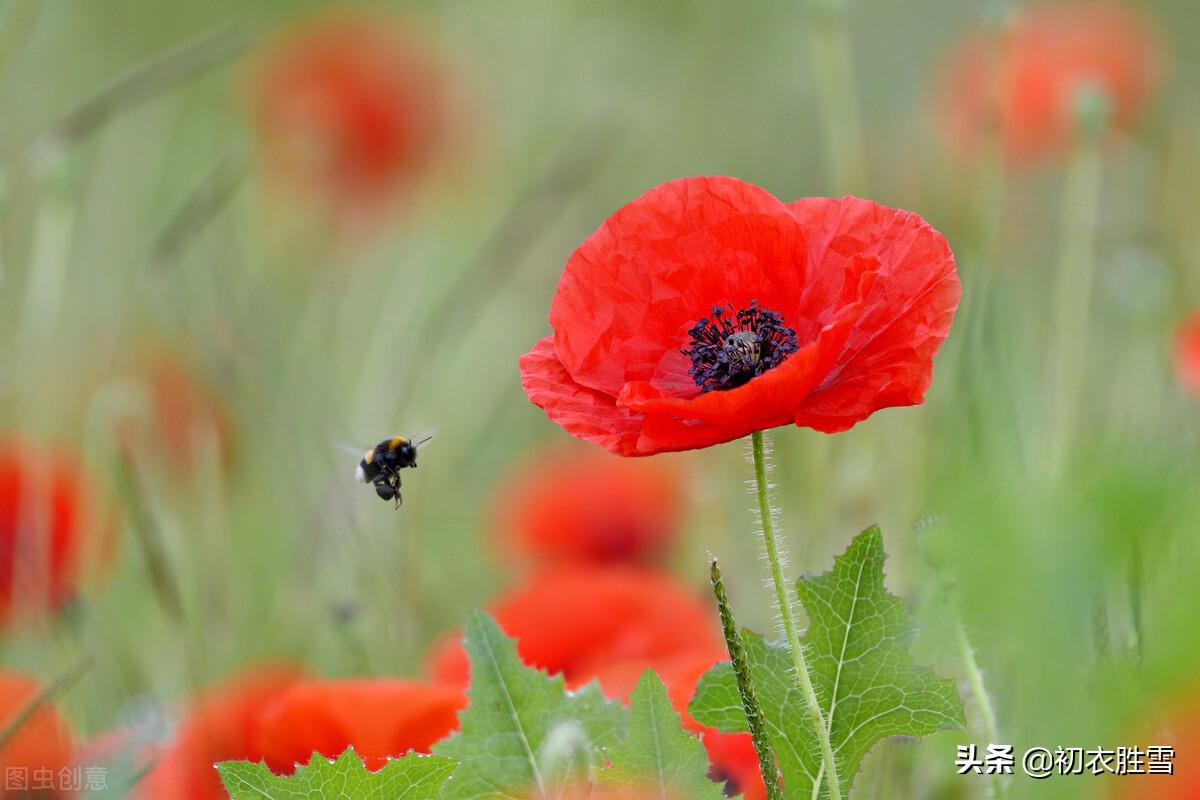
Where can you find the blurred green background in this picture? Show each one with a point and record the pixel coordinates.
(569, 110)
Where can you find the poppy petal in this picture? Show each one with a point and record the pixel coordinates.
(43, 741)
(1187, 353)
(219, 726)
(586, 413)
(379, 717)
(888, 359)
(632, 290)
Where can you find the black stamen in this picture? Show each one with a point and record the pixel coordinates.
(727, 352)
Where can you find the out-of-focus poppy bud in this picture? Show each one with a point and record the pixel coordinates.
(1030, 82)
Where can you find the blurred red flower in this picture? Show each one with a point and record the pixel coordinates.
(1187, 353)
(577, 620)
(347, 109)
(52, 532)
(275, 715)
(220, 725)
(706, 309)
(1027, 80)
(584, 506)
(379, 717)
(33, 760)
(1179, 730)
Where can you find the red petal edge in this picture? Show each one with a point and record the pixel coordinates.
(586, 413)
(888, 360)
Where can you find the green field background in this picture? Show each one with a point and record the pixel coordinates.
(567, 111)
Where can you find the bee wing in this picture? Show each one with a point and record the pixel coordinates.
(360, 453)
(421, 438)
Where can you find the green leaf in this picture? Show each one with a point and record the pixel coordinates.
(857, 648)
(412, 777)
(659, 755)
(523, 733)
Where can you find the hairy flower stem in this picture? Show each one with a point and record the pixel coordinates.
(833, 74)
(745, 682)
(987, 714)
(787, 614)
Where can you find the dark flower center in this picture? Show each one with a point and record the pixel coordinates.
(730, 786)
(727, 352)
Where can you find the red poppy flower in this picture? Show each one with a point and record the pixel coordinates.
(379, 717)
(732, 755)
(52, 534)
(34, 759)
(586, 507)
(706, 309)
(274, 715)
(576, 620)
(1178, 729)
(347, 109)
(1028, 82)
(1187, 353)
(221, 725)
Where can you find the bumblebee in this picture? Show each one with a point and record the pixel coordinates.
(382, 464)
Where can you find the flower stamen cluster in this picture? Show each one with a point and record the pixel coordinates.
(726, 353)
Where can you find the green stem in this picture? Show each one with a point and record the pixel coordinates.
(60, 684)
(786, 613)
(199, 209)
(142, 83)
(586, 154)
(1076, 270)
(1135, 599)
(834, 77)
(1101, 632)
(991, 187)
(149, 538)
(987, 714)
